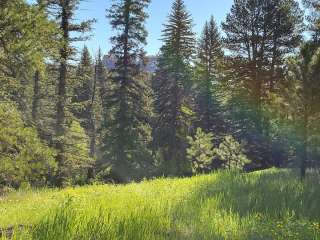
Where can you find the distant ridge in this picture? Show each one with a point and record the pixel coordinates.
(150, 67)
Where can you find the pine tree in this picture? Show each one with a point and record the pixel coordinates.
(84, 101)
(24, 158)
(210, 57)
(50, 49)
(19, 60)
(64, 11)
(171, 87)
(260, 34)
(84, 94)
(102, 87)
(231, 152)
(83, 88)
(126, 136)
(101, 78)
(177, 35)
(201, 151)
(303, 90)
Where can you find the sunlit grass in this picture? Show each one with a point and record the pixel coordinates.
(264, 205)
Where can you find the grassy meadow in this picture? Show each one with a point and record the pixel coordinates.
(270, 204)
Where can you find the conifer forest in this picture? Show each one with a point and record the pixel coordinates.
(217, 136)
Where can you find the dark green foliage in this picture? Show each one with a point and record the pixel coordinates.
(125, 123)
(24, 158)
(64, 12)
(83, 89)
(78, 159)
(201, 151)
(231, 152)
(101, 78)
(303, 81)
(207, 79)
(210, 54)
(127, 130)
(260, 34)
(171, 85)
(177, 34)
(84, 97)
(21, 57)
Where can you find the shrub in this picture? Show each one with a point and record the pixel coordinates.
(23, 157)
(201, 151)
(232, 153)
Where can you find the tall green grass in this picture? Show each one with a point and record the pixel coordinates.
(226, 205)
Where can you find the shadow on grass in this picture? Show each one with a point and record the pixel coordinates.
(222, 208)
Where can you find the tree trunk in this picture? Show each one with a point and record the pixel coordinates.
(304, 152)
(36, 96)
(60, 117)
(92, 127)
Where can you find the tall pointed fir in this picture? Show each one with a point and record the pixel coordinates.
(63, 11)
(126, 135)
(171, 87)
(84, 96)
(102, 115)
(101, 84)
(208, 68)
(84, 101)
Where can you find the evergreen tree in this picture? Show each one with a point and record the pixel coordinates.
(20, 60)
(85, 103)
(83, 97)
(210, 57)
(177, 35)
(231, 152)
(24, 158)
(101, 77)
(49, 51)
(125, 140)
(79, 162)
(201, 151)
(260, 34)
(302, 95)
(210, 52)
(98, 115)
(64, 11)
(171, 87)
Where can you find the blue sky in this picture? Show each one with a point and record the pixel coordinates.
(158, 10)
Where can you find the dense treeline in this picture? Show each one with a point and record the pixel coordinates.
(247, 97)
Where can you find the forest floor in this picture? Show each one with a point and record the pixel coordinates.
(271, 204)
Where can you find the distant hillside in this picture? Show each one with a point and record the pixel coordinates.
(150, 67)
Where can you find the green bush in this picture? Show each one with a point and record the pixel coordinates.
(23, 157)
(201, 151)
(78, 160)
(232, 153)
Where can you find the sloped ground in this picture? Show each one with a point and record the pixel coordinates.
(270, 204)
